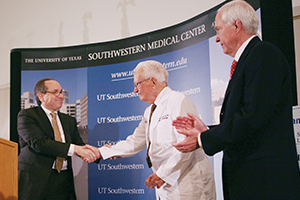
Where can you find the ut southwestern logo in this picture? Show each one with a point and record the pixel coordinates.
(110, 97)
(102, 120)
(109, 142)
(105, 190)
(120, 167)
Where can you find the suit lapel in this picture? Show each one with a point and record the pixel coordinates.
(239, 66)
(160, 107)
(47, 124)
(155, 116)
(154, 120)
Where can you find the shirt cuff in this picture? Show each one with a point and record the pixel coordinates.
(71, 150)
(199, 140)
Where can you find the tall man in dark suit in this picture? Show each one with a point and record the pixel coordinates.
(45, 167)
(255, 131)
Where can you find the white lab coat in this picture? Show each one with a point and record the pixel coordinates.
(187, 175)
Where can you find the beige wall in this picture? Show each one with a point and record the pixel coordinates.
(56, 23)
(4, 110)
(35, 23)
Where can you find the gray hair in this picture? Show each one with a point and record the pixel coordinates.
(239, 9)
(155, 69)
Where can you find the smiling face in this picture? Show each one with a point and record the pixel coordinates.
(50, 100)
(226, 36)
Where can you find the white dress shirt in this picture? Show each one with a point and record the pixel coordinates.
(71, 149)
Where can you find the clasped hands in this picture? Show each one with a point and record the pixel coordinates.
(87, 152)
(90, 153)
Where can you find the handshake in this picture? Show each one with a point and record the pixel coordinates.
(88, 153)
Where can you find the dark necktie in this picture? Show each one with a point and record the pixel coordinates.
(147, 156)
(233, 65)
(59, 160)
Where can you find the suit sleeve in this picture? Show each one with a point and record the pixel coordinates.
(32, 132)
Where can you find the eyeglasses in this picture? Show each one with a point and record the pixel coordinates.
(57, 93)
(137, 84)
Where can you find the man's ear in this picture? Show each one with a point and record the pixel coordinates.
(153, 82)
(41, 96)
(238, 25)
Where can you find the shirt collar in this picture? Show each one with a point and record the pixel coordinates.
(242, 48)
(47, 111)
(161, 94)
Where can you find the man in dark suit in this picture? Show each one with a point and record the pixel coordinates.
(45, 167)
(255, 131)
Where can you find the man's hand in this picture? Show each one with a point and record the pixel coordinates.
(95, 150)
(191, 127)
(86, 154)
(154, 181)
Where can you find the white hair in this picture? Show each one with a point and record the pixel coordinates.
(155, 69)
(241, 10)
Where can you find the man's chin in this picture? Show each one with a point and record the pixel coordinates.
(59, 107)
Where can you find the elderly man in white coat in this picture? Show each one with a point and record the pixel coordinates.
(175, 175)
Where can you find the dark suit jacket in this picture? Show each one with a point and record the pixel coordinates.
(256, 130)
(39, 150)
